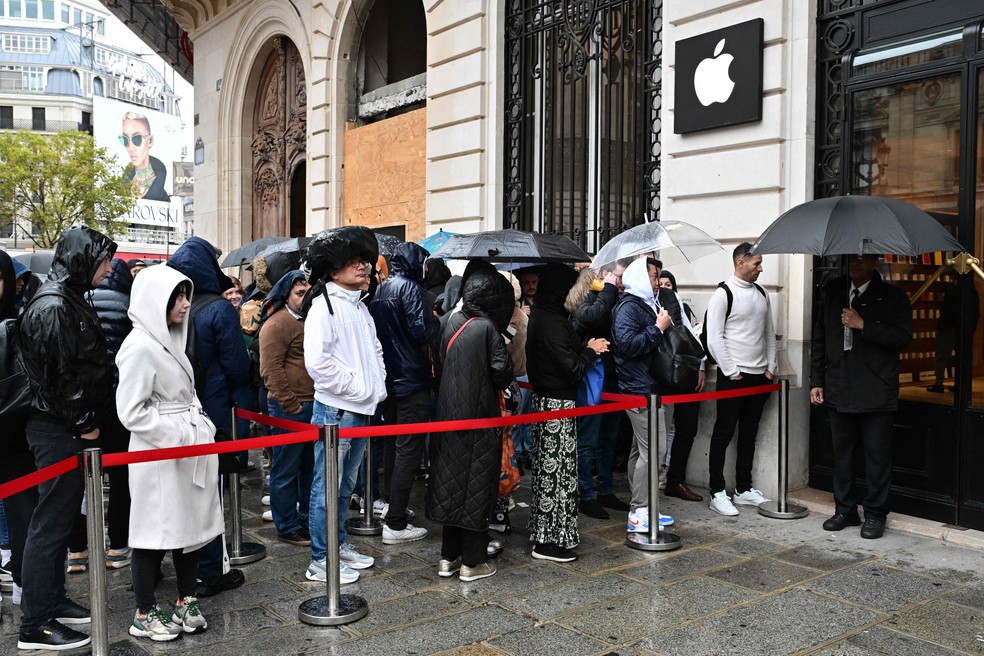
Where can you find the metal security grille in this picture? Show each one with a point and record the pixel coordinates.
(583, 99)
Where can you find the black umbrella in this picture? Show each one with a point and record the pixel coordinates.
(387, 244)
(512, 246)
(245, 254)
(856, 225)
(291, 245)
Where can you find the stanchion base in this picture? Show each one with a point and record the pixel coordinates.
(664, 541)
(315, 611)
(361, 526)
(771, 509)
(249, 553)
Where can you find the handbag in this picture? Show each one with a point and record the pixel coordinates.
(589, 391)
(675, 364)
(508, 473)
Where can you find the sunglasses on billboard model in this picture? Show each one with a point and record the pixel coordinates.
(137, 139)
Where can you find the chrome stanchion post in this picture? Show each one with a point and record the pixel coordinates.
(656, 539)
(780, 509)
(366, 523)
(240, 553)
(334, 608)
(91, 461)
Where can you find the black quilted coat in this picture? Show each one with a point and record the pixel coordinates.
(466, 464)
(111, 300)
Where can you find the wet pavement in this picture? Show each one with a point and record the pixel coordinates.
(743, 585)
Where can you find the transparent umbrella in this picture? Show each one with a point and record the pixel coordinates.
(675, 241)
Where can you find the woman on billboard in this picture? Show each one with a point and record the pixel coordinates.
(146, 173)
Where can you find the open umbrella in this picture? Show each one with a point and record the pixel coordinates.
(387, 244)
(436, 240)
(291, 245)
(39, 262)
(512, 246)
(677, 242)
(856, 225)
(245, 254)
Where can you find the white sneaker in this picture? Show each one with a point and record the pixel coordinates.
(638, 521)
(378, 507)
(16, 594)
(316, 572)
(382, 515)
(410, 534)
(267, 515)
(265, 500)
(750, 498)
(721, 504)
(349, 556)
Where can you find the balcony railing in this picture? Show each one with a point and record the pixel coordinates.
(43, 126)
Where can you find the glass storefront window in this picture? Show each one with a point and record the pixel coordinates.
(977, 362)
(911, 53)
(906, 145)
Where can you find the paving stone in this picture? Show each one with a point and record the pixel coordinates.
(883, 641)
(744, 545)
(883, 588)
(972, 596)
(821, 558)
(420, 579)
(764, 574)
(222, 627)
(943, 623)
(283, 566)
(397, 561)
(782, 624)
(295, 638)
(446, 633)
(941, 561)
(514, 582)
(474, 650)
(642, 614)
(572, 596)
(674, 565)
(411, 610)
(844, 649)
(547, 640)
(250, 595)
(610, 557)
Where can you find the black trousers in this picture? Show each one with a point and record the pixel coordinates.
(744, 413)
(59, 500)
(401, 459)
(872, 432)
(144, 564)
(685, 424)
(19, 507)
(470, 546)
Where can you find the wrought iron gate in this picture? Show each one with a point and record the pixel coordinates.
(583, 100)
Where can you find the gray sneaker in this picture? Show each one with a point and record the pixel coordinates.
(480, 571)
(448, 568)
(155, 625)
(349, 556)
(188, 615)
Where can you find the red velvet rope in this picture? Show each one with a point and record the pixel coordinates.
(38, 477)
(724, 394)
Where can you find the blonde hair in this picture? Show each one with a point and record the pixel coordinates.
(139, 118)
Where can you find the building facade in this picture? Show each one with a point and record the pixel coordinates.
(570, 117)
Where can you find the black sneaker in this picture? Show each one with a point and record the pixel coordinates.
(295, 537)
(592, 508)
(613, 502)
(54, 636)
(554, 553)
(500, 523)
(213, 585)
(69, 612)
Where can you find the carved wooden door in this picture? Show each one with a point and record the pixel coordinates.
(279, 143)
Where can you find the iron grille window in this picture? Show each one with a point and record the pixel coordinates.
(583, 99)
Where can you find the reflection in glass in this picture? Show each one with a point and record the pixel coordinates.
(977, 362)
(912, 53)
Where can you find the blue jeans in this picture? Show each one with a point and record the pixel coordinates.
(596, 453)
(4, 535)
(521, 433)
(350, 454)
(290, 473)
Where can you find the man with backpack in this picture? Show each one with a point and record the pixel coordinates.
(742, 341)
(70, 370)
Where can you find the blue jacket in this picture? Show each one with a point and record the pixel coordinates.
(405, 324)
(634, 331)
(221, 351)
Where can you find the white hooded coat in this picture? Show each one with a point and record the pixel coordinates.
(175, 503)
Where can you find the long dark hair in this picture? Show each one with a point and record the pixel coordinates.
(7, 308)
(184, 287)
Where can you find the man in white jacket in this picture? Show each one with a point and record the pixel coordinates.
(742, 340)
(345, 361)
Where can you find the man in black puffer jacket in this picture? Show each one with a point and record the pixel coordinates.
(71, 373)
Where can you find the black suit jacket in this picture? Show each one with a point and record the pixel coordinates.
(866, 378)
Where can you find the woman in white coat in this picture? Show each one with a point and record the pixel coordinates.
(175, 502)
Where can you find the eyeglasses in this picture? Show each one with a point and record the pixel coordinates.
(136, 139)
(358, 263)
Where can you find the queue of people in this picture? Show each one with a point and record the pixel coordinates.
(338, 343)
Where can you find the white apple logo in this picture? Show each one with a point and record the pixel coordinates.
(711, 79)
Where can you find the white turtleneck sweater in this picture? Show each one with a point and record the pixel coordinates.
(746, 341)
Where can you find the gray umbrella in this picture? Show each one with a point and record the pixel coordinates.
(512, 246)
(245, 254)
(39, 262)
(856, 225)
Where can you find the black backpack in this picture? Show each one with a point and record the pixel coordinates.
(15, 383)
(731, 300)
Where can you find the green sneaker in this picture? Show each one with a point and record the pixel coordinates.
(188, 615)
(155, 625)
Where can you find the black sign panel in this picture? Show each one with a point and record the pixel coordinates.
(719, 78)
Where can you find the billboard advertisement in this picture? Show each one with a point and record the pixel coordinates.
(146, 143)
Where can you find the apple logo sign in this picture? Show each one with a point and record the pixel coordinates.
(712, 82)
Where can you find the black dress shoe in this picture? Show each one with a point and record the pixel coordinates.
(592, 508)
(213, 585)
(297, 537)
(613, 502)
(54, 636)
(874, 528)
(839, 521)
(69, 612)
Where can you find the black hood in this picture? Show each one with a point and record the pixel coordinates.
(451, 295)
(408, 260)
(437, 275)
(279, 264)
(332, 249)
(78, 253)
(486, 293)
(553, 285)
(8, 308)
